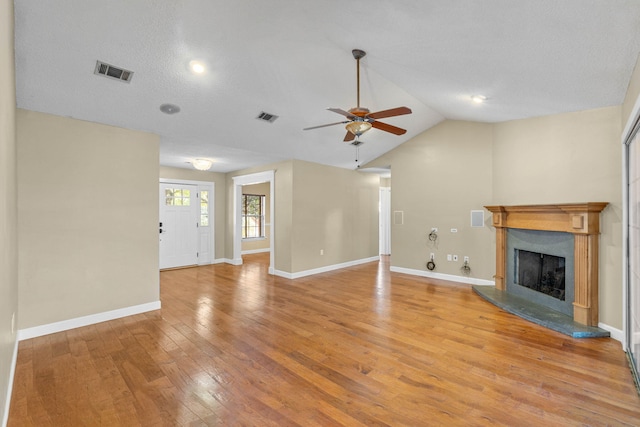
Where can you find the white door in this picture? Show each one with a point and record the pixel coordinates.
(179, 212)
(385, 220)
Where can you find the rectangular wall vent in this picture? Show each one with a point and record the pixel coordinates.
(108, 70)
(267, 117)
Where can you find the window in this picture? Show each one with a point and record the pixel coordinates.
(252, 216)
(177, 197)
(204, 208)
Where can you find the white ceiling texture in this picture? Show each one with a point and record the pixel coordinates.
(292, 58)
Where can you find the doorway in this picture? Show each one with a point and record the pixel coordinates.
(238, 183)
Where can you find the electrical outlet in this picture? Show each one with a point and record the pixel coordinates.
(321, 251)
(455, 257)
(466, 259)
(448, 257)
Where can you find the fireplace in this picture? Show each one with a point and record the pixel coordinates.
(568, 232)
(540, 272)
(540, 268)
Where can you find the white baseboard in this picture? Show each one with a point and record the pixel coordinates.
(12, 371)
(78, 322)
(616, 334)
(441, 276)
(255, 251)
(222, 261)
(325, 269)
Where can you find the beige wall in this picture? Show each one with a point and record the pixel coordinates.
(318, 207)
(88, 214)
(438, 177)
(262, 190)
(8, 200)
(335, 210)
(566, 158)
(219, 200)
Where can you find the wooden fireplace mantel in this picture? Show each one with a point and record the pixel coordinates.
(580, 219)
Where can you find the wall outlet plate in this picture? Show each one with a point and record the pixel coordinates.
(455, 257)
(466, 259)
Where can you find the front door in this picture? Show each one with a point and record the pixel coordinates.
(179, 212)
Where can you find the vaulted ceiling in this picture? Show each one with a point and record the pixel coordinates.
(293, 59)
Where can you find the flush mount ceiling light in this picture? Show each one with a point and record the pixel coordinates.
(478, 99)
(197, 67)
(169, 108)
(202, 164)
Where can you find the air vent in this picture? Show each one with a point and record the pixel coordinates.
(107, 70)
(267, 117)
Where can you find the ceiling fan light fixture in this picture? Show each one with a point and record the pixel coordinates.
(358, 127)
(202, 164)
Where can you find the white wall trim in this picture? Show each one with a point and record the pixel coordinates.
(12, 371)
(324, 269)
(78, 322)
(626, 137)
(442, 276)
(255, 251)
(616, 334)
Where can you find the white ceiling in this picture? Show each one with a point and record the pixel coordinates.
(293, 59)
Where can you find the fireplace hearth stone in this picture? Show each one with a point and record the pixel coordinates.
(538, 314)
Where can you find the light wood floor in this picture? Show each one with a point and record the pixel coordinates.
(360, 346)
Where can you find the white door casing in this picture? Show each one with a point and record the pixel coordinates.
(238, 182)
(385, 221)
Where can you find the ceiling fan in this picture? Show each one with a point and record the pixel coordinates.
(360, 119)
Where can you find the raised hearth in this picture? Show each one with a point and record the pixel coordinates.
(582, 221)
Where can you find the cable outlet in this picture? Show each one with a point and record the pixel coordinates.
(466, 259)
(455, 257)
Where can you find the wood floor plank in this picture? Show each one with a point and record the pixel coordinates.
(359, 346)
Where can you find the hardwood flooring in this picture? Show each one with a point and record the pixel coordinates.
(360, 346)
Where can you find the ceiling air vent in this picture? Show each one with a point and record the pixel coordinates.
(267, 117)
(112, 72)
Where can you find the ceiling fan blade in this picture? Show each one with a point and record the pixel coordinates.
(324, 126)
(390, 113)
(388, 128)
(344, 113)
(349, 137)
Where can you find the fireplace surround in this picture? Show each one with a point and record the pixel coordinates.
(580, 220)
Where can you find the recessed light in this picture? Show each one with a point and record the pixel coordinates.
(169, 108)
(478, 99)
(197, 67)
